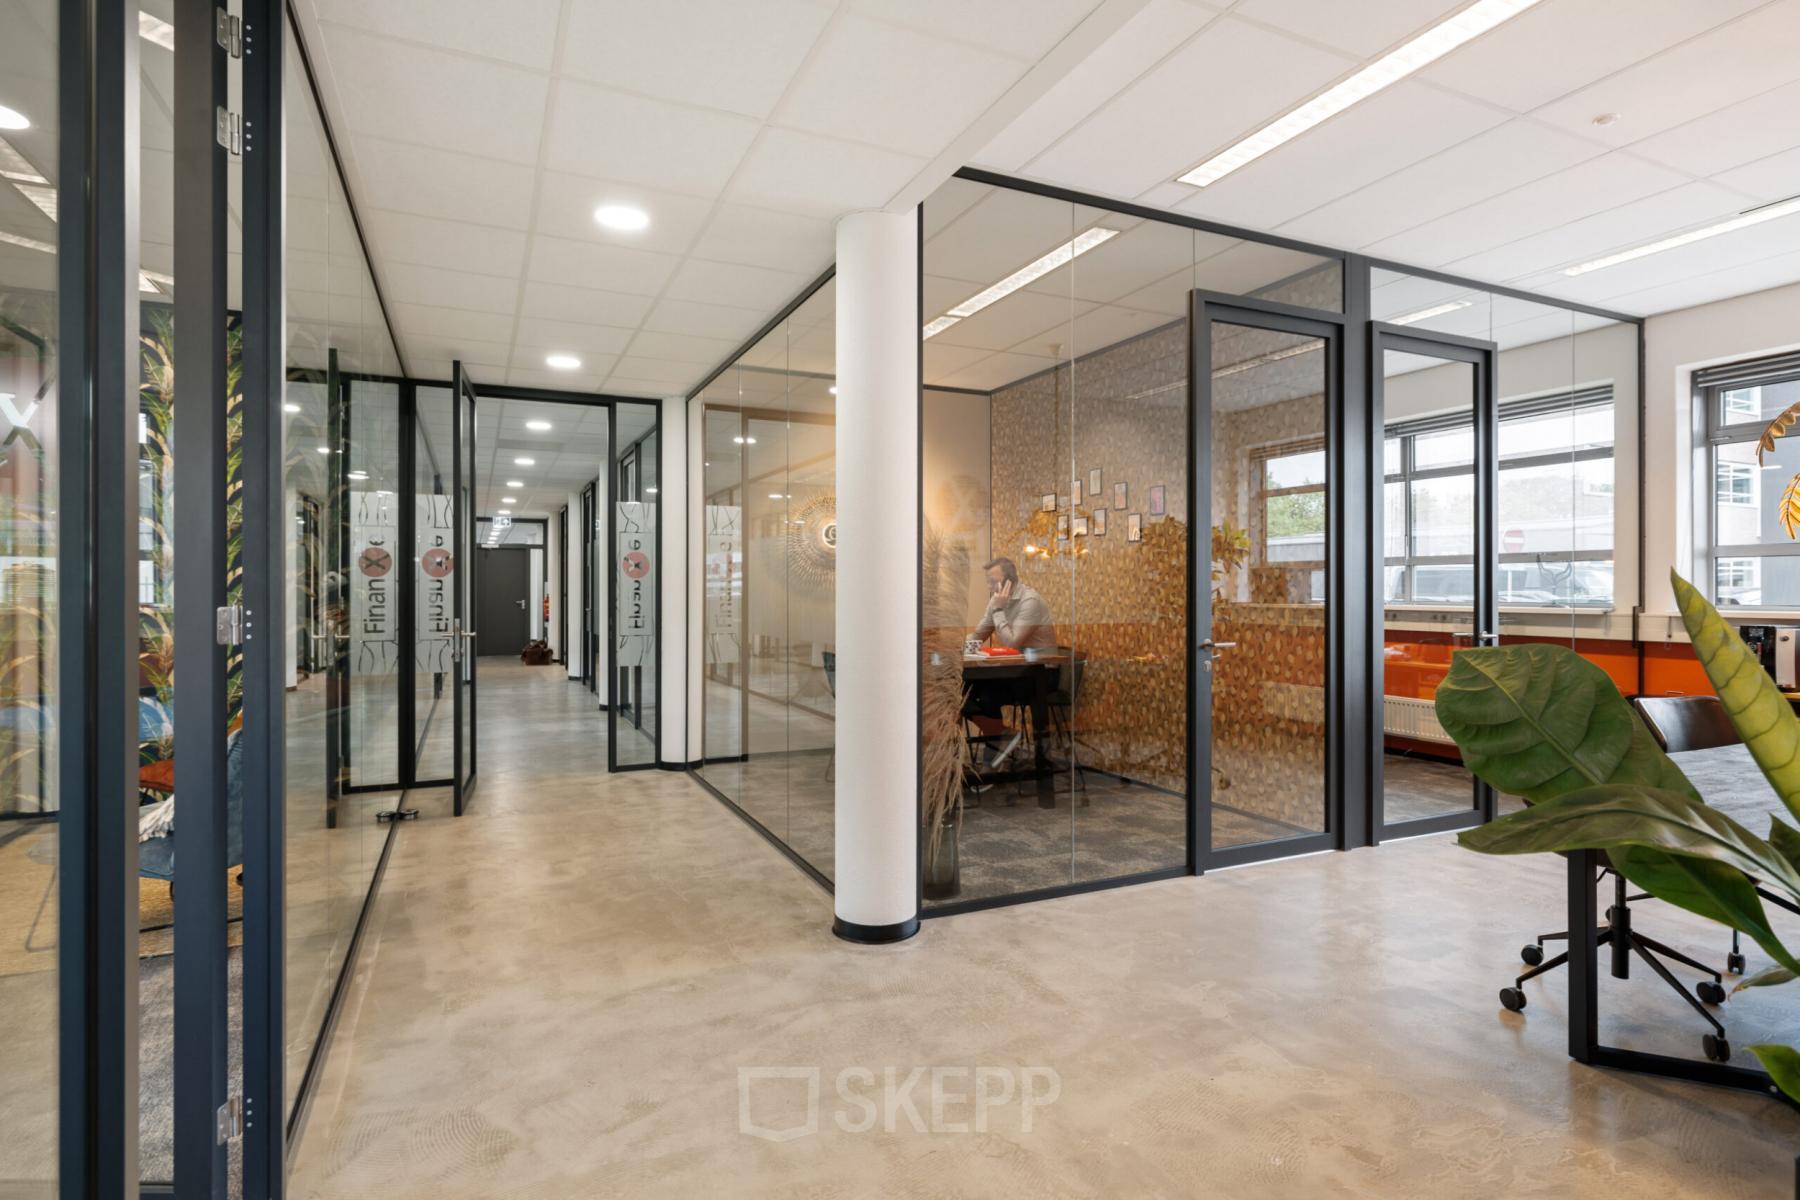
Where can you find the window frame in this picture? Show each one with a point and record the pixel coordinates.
(1516, 409)
(1709, 400)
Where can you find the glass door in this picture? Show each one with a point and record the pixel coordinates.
(1432, 397)
(458, 567)
(1265, 390)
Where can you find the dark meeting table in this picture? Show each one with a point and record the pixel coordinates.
(1037, 680)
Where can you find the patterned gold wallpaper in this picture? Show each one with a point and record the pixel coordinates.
(1122, 412)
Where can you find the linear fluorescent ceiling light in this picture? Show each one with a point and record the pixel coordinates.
(538, 426)
(1263, 360)
(1745, 219)
(507, 500)
(562, 362)
(155, 29)
(515, 483)
(1385, 71)
(524, 462)
(1425, 314)
(1066, 253)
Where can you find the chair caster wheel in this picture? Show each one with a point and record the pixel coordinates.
(1716, 1047)
(1710, 992)
(1734, 963)
(1531, 955)
(1513, 999)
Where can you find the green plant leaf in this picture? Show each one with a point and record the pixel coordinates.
(1786, 840)
(1783, 1065)
(1681, 851)
(1767, 977)
(1539, 721)
(1759, 712)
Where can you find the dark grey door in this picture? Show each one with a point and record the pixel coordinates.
(503, 601)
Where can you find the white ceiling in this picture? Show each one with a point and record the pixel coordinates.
(1485, 164)
(478, 138)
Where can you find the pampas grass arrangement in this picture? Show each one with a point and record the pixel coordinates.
(944, 573)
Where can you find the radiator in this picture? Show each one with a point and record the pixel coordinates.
(1405, 716)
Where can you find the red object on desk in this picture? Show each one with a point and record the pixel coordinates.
(998, 651)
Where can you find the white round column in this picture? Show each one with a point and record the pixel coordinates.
(877, 790)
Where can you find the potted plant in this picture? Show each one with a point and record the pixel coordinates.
(944, 756)
(1540, 722)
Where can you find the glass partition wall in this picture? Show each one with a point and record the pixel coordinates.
(1145, 441)
(769, 667)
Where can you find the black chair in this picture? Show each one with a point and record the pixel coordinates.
(1678, 723)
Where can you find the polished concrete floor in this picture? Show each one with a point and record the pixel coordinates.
(559, 990)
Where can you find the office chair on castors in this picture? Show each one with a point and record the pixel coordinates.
(1677, 723)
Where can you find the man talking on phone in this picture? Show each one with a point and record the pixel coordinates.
(1016, 617)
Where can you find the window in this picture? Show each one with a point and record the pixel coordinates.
(1735, 484)
(1753, 561)
(1555, 505)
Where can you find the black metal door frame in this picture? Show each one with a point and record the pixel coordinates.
(1207, 308)
(462, 509)
(1481, 355)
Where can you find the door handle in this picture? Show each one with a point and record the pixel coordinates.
(524, 604)
(1214, 647)
(1488, 639)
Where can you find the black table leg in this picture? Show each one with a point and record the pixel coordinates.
(1040, 730)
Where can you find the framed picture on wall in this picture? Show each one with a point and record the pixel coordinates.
(1048, 503)
(1134, 527)
(1079, 527)
(1062, 502)
(1075, 490)
(1062, 525)
(1094, 483)
(1099, 522)
(1121, 495)
(1157, 508)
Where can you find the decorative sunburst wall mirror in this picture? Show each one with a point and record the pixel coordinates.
(812, 543)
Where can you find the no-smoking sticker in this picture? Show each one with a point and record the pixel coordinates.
(375, 562)
(436, 562)
(636, 564)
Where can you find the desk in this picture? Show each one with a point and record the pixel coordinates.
(1728, 779)
(1040, 679)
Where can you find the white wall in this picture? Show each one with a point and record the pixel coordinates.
(1675, 345)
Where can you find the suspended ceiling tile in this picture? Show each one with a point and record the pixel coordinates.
(1151, 34)
(590, 305)
(1560, 46)
(1005, 323)
(611, 135)
(814, 176)
(566, 205)
(682, 347)
(609, 268)
(527, 37)
(439, 183)
(588, 378)
(1507, 156)
(763, 237)
(942, 361)
(1230, 79)
(1732, 136)
(1776, 177)
(1359, 29)
(1627, 225)
(539, 336)
(673, 376)
(1725, 65)
(428, 241)
(1405, 124)
(731, 55)
(1021, 29)
(437, 286)
(1774, 271)
(734, 284)
(427, 319)
(1580, 191)
(706, 320)
(434, 98)
(997, 370)
(890, 87)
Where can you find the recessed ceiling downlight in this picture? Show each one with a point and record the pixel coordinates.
(621, 218)
(562, 362)
(12, 118)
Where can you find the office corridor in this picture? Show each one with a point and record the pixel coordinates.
(557, 992)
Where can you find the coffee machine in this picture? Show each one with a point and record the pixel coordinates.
(1777, 647)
